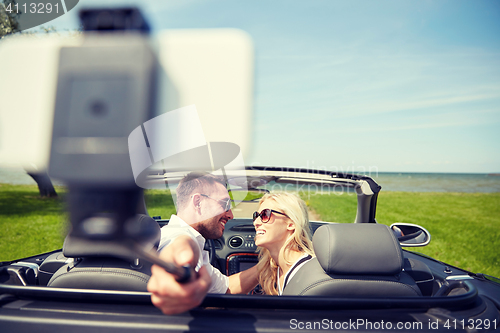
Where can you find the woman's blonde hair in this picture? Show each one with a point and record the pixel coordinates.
(296, 209)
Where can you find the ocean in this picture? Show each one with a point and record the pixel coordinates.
(438, 182)
(390, 181)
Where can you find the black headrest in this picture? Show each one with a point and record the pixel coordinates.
(358, 248)
(145, 227)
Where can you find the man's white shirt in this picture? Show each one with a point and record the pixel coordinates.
(177, 227)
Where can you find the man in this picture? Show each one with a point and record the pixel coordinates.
(203, 209)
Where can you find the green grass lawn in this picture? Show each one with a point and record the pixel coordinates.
(159, 204)
(465, 227)
(30, 224)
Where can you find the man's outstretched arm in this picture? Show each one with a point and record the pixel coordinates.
(170, 296)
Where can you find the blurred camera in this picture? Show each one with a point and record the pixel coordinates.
(71, 103)
(75, 99)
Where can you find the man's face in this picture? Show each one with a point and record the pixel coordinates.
(213, 214)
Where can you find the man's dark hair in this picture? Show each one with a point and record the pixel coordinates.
(195, 181)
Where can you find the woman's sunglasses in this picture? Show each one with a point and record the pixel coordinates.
(265, 215)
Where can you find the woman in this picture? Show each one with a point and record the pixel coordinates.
(283, 237)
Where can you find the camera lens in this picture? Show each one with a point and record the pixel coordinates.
(98, 109)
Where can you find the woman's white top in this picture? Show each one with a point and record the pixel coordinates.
(291, 272)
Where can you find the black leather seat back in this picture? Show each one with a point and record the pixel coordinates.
(106, 273)
(354, 260)
(96, 264)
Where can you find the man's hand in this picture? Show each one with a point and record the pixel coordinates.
(170, 296)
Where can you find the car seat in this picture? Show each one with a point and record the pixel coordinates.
(354, 260)
(98, 264)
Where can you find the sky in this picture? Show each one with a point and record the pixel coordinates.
(360, 86)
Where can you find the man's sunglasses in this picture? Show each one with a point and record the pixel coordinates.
(226, 203)
(265, 215)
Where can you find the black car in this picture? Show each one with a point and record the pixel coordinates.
(369, 284)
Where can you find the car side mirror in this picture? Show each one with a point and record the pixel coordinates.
(411, 235)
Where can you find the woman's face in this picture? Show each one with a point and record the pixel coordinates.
(273, 234)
